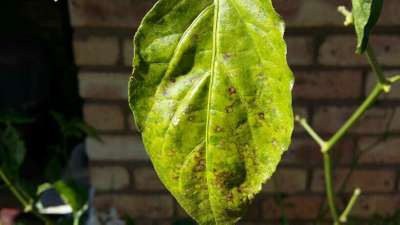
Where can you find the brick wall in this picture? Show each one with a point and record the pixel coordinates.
(331, 82)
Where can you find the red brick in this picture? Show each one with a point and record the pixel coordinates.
(146, 179)
(181, 213)
(104, 117)
(382, 152)
(137, 206)
(394, 125)
(304, 151)
(367, 180)
(328, 85)
(340, 51)
(131, 123)
(376, 204)
(117, 13)
(295, 207)
(251, 223)
(107, 86)
(330, 119)
(93, 51)
(311, 13)
(300, 50)
(287, 180)
(303, 113)
(117, 148)
(109, 178)
(390, 13)
(128, 52)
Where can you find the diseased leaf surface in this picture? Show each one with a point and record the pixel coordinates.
(211, 94)
(366, 14)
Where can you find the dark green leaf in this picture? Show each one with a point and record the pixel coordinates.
(211, 94)
(73, 194)
(54, 169)
(366, 14)
(12, 117)
(12, 150)
(88, 130)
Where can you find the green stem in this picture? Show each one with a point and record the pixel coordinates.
(76, 220)
(330, 193)
(355, 117)
(350, 205)
(303, 122)
(25, 201)
(394, 79)
(347, 14)
(377, 69)
(14, 190)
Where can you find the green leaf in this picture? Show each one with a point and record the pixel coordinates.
(43, 187)
(73, 194)
(13, 117)
(366, 14)
(12, 150)
(211, 94)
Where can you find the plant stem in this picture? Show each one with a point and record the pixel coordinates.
(26, 203)
(347, 14)
(303, 122)
(355, 117)
(394, 79)
(14, 190)
(377, 69)
(330, 193)
(350, 205)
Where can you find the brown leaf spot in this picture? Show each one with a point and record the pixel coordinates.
(229, 109)
(261, 115)
(232, 90)
(172, 80)
(229, 197)
(227, 56)
(218, 129)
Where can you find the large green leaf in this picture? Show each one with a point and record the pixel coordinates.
(366, 14)
(211, 94)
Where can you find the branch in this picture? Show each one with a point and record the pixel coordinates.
(377, 69)
(347, 14)
(303, 122)
(350, 205)
(376, 92)
(394, 79)
(26, 203)
(330, 193)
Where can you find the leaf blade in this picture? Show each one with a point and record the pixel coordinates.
(366, 14)
(209, 98)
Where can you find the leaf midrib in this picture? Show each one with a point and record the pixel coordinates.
(212, 75)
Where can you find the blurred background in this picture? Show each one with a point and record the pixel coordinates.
(64, 68)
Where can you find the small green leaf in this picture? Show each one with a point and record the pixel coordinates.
(12, 150)
(43, 187)
(211, 94)
(73, 194)
(366, 14)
